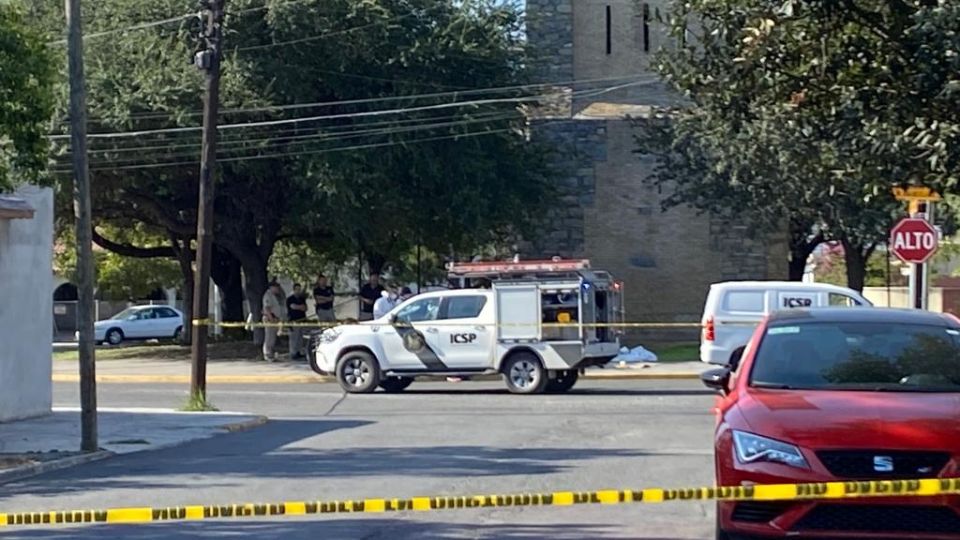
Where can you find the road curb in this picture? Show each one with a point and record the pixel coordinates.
(246, 424)
(26, 471)
(308, 379)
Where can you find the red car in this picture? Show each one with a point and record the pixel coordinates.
(840, 394)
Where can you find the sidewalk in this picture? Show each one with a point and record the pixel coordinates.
(39, 445)
(250, 372)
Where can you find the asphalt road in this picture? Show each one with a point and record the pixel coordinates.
(435, 439)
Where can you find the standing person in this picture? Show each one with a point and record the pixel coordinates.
(384, 304)
(323, 296)
(296, 314)
(371, 291)
(405, 294)
(273, 316)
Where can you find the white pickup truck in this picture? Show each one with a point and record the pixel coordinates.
(538, 325)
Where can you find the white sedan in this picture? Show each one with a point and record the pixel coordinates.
(140, 323)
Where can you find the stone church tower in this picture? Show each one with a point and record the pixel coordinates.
(599, 53)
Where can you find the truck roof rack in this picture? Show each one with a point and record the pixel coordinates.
(517, 269)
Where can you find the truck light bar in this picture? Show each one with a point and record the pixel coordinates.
(518, 267)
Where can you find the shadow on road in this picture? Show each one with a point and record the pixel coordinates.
(347, 529)
(270, 452)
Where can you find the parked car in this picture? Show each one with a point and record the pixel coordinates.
(839, 395)
(140, 323)
(734, 309)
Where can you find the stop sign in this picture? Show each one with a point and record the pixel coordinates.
(914, 240)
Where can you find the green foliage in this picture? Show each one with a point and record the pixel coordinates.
(452, 177)
(809, 112)
(121, 277)
(26, 99)
(832, 268)
(118, 277)
(299, 261)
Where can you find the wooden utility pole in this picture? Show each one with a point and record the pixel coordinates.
(84, 229)
(207, 60)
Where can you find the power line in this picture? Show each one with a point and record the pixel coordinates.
(297, 133)
(322, 137)
(140, 26)
(169, 20)
(326, 35)
(361, 114)
(288, 121)
(288, 154)
(360, 101)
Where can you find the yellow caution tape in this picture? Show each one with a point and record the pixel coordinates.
(318, 324)
(773, 492)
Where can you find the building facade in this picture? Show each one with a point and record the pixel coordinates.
(598, 52)
(26, 317)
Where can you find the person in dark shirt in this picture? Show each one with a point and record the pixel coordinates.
(371, 291)
(296, 313)
(323, 296)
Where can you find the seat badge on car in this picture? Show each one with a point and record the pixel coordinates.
(882, 463)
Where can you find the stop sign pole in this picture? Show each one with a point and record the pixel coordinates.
(921, 206)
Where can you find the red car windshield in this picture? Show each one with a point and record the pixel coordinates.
(858, 356)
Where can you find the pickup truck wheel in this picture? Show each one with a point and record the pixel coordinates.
(564, 381)
(525, 374)
(393, 385)
(358, 372)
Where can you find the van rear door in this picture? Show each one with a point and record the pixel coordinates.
(737, 312)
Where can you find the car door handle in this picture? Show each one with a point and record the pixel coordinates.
(479, 328)
(432, 330)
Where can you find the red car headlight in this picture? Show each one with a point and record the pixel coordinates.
(750, 448)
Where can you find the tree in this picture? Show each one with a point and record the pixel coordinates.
(358, 139)
(809, 112)
(26, 99)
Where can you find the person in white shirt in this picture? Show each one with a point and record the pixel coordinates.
(385, 303)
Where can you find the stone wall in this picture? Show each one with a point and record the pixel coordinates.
(550, 32)
(26, 312)
(607, 209)
(578, 145)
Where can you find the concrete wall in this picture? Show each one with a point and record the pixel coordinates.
(899, 297)
(26, 313)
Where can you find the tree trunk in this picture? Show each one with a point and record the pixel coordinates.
(375, 263)
(801, 246)
(227, 274)
(185, 259)
(255, 279)
(856, 255)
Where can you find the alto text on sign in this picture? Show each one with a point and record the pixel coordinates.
(914, 240)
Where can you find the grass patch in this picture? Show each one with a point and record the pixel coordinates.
(216, 351)
(197, 402)
(677, 352)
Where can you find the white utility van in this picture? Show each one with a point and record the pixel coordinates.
(537, 323)
(735, 308)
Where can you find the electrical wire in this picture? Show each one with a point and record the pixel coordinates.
(296, 134)
(323, 137)
(169, 20)
(326, 35)
(361, 114)
(288, 154)
(453, 93)
(140, 26)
